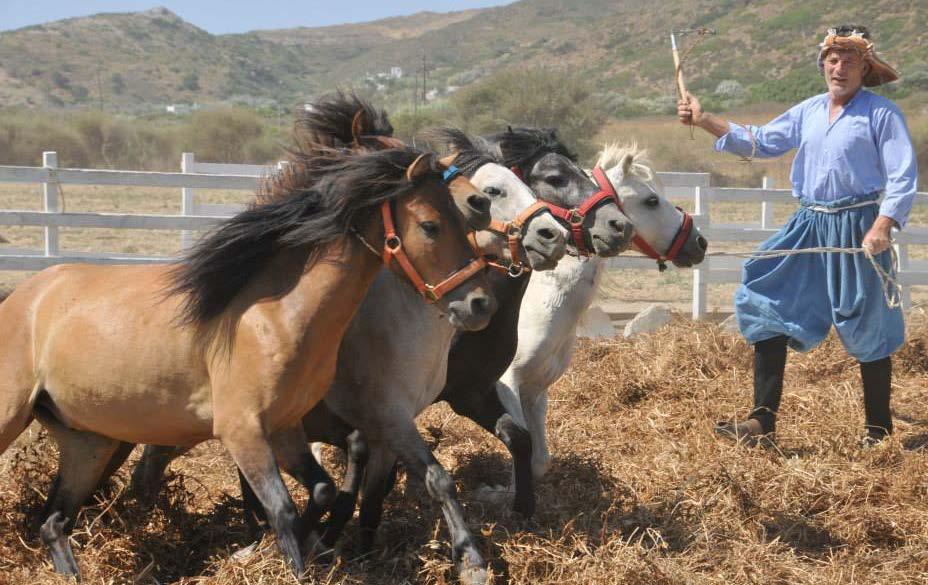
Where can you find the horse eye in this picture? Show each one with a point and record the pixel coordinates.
(652, 201)
(556, 181)
(430, 229)
(492, 191)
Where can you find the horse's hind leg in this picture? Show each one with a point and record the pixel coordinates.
(82, 459)
(347, 497)
(486, 409)
(377, 484)
(149, 471)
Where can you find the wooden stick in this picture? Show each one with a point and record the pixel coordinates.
(678, 69)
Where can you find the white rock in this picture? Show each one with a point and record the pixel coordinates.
(595, 324)
(648, 320)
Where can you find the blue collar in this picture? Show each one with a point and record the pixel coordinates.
(450, 173)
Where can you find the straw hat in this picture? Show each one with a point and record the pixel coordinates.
(857, 38)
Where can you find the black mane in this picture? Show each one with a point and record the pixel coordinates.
(330, 120)
(521, 147)
(313, 204)
(471, 153)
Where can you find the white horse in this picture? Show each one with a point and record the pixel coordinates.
(556, 300)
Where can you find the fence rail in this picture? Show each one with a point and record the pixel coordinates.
(196, 216)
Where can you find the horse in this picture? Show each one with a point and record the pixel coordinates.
(554, 302)
(239, 340)
(393, 360)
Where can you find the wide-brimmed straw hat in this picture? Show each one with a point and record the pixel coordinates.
(857, 38)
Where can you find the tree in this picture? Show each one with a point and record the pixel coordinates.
(534, 97)
(191, 82)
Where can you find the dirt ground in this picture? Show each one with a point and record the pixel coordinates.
(640, 491)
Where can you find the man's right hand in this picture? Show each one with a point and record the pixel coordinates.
(689, 110)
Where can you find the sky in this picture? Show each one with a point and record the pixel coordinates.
(233, 16)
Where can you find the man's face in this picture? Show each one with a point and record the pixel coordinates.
(844, 73)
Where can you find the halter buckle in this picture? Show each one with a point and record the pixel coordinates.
(575, 217)
(393, 243)
(429, 292)
(516, 270)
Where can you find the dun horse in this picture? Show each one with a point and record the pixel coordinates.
(237, 342)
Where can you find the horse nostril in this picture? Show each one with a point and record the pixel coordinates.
(547, 234)
(479, 203)
(617, 225)
(702, 243)
(480, 305)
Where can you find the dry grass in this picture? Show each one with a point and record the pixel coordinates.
(640, 491)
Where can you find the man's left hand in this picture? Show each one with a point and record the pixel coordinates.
(878, 238)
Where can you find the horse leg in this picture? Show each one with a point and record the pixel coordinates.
(486, 409)
(252, 452)
(380, 462)
(409, 445)
(149, 471)
(82, 460)
(294, 457)
(535, 407)
(347, 497)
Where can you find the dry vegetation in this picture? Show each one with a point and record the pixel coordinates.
(640, 491)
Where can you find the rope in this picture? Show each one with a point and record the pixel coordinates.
(892, 290)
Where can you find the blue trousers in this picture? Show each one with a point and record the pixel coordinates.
(802, 296)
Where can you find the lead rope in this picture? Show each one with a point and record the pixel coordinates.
(892, 290)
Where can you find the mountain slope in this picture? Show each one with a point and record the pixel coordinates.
(154, 57)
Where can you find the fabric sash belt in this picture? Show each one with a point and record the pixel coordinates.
(825, 209)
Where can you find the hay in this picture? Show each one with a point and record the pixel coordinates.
(639, 491)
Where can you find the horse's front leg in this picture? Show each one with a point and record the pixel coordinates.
(486, 409)
(149, 471)
(408, 444)
(251, 450)
(535, 409)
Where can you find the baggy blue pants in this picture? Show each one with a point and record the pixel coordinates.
(803, 295)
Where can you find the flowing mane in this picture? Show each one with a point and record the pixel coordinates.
(339, 120)
(613, 154)
(519, 147)
(313, 204)
(472, 153)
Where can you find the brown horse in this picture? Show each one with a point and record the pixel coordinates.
(236, 343)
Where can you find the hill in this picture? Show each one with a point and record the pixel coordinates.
(132, 60)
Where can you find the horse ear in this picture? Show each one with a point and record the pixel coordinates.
(357, 126)
(509, 129)
(627, 161)
(419, 167)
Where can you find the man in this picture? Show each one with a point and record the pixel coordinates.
(855, 177)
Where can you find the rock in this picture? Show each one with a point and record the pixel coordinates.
(595, 324)
(648, 320)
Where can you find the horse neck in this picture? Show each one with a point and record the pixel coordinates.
(568, 289)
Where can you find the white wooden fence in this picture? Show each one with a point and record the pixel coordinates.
(194, 216)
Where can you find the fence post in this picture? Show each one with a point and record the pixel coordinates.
(187, 163)
(50, 193)
(766, 207)
(700, 274)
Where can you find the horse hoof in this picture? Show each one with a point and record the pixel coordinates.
(474, 576)
(245, 553)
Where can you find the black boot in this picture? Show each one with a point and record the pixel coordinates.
(877, 380)
(769, 365)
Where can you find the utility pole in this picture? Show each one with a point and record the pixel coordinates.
(99, 87)
(415, 94)
(425, 77)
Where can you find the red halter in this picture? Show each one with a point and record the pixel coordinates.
(514, 232)
(575, 216)
(393, 249)
(683, 233)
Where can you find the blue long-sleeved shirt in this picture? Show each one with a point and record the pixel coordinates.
(866, 149)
